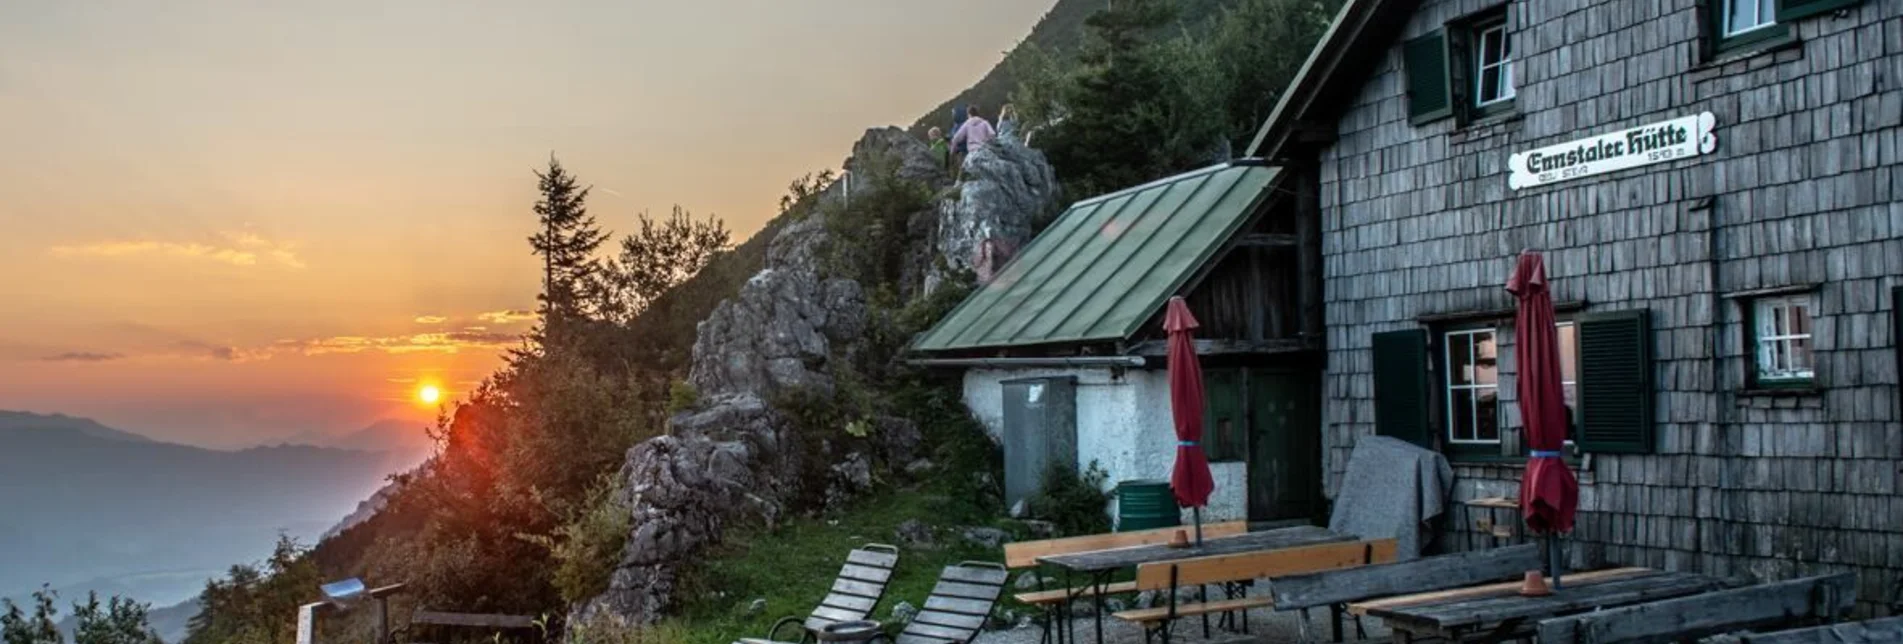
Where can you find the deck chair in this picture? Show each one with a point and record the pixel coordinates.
(958, 607)
(860, 584)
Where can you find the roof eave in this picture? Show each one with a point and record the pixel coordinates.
(1358, 22)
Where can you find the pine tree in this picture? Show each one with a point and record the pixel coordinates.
(567, 244)
(120, 621)
(16, 627)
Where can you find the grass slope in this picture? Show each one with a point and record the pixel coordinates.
(793, 567)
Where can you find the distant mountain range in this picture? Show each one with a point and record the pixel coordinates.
(90, 507)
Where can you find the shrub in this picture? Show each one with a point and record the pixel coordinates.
(682, 396)
(1075, 504)
(587, 546)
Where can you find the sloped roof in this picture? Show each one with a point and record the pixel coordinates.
(1107, 264)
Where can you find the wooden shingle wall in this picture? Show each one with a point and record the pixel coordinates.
(1805, 188)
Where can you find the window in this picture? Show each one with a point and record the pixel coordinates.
(1605, 369)
(1745, 16)
(1493, 65)
(1464, 70)
(1473, 386)
(1781, 341)
(1569, 368)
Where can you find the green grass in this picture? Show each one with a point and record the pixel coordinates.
(793, 567)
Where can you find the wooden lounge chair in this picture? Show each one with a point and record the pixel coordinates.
(1232, 572)
(857, 589)
(1336, 589)
(958, 606)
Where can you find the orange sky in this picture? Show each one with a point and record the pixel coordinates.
(224, 222)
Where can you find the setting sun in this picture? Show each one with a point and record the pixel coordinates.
(429, 394)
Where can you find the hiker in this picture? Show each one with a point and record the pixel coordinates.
(1008, 122)
(975, 132)
(941, 148)
(958, 121)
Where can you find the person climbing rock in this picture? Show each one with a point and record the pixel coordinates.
(941, 148)
(1008, 122)
(958, 121)
(975, 132)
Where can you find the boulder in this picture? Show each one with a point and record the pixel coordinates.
(914, 534)
(1006, 188)
(756, 607)
(782, 330)
(987, 537)
(903, 612)
(1040, 528)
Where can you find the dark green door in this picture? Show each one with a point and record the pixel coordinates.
(1285, 480)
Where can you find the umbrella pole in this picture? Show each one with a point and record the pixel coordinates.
(1553, 558)
(1196, 513)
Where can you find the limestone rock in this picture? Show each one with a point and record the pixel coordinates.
(987, 537)
(1026, 581)
(1040, 528)
(920, 466)
(1005, 188)
(903, 612)
(849, 478)
(757, 607)
(913, 533)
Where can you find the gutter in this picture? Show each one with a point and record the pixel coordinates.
(1109, 362)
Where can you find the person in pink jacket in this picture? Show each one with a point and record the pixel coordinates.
(975, 132)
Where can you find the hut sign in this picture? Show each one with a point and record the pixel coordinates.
(1678, 138)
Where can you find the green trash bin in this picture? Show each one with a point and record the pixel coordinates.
(1146, 504)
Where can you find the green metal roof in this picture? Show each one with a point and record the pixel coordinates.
(1107, 263)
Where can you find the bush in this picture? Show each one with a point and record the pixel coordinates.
(1075, 504)
(682, 396)
(587, 547)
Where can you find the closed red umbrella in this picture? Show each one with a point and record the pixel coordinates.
(1549, 495)
(1190, 477)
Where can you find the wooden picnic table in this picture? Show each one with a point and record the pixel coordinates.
(1498, 612)
(1100, 564)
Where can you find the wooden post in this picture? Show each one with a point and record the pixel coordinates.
(1308, 225)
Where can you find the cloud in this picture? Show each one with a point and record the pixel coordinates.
(227, 353)
(510, 316)
(431, 319)
(238, 249)
(84, 356)
(441, 342)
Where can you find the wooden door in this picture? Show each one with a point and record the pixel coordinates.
(1285, 470)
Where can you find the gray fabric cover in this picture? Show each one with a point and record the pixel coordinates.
(1392, 489)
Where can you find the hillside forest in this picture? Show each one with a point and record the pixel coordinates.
(519, 511)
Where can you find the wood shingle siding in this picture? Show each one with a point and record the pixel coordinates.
(1805, 188)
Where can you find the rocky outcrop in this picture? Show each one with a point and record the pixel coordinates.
(789, 329)
(1006, 187)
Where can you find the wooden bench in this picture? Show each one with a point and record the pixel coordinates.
(1774, 605)
(1232, 572)
(491, 622)
(1335, 589)
(1023, 555)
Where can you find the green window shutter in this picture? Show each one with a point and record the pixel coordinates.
(1615, 382)
(1789, 10)
(1401, 386)
(1429, 92)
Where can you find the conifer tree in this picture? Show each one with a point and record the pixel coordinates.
(17, 627)
(567, 244)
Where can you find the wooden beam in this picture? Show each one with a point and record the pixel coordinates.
(1420, 575)
(1161, 348)
(1888, 629)
(1492, 590)
(1482, 315)
(474, 620)
(1784, 603)
(1267, 240)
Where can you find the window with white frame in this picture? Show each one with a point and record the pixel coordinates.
(1493, 65)
(1745, 16)
(1568, 368)
(1472, 386)
(1781, 340)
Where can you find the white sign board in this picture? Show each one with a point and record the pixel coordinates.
(1678, 138)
